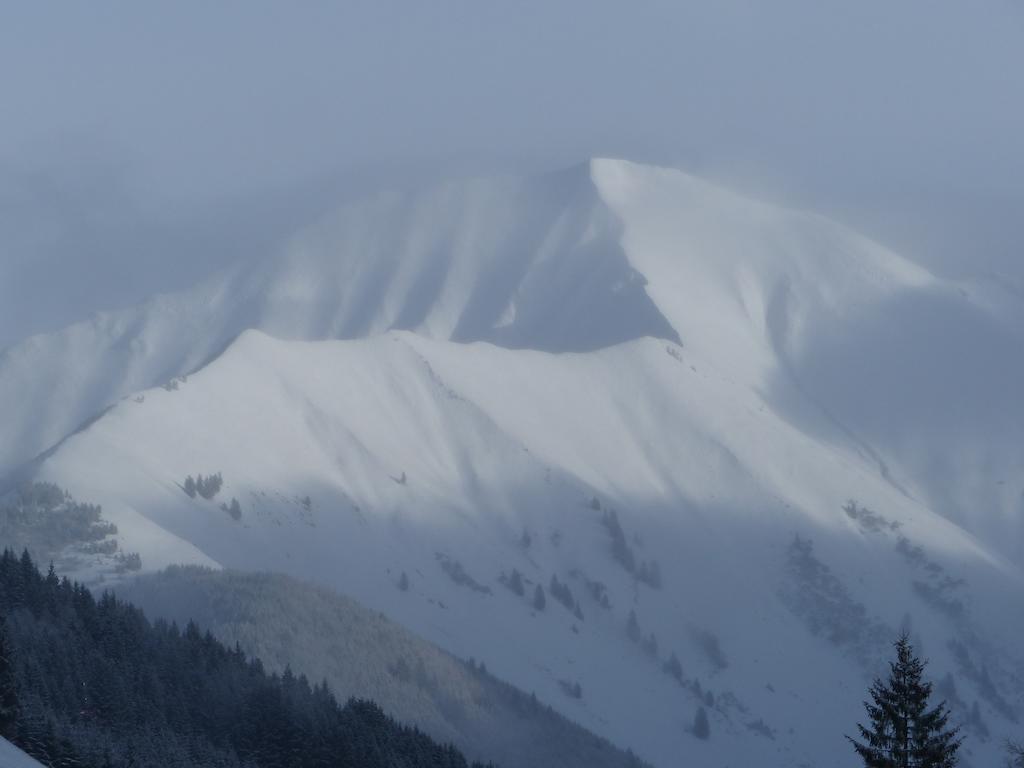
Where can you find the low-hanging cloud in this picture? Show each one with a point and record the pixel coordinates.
(135, 137)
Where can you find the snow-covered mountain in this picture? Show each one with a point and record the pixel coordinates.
(646, 395)
(855, 343)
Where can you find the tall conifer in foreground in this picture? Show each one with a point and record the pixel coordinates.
(904, 732)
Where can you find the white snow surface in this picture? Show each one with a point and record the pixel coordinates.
(518, 357)
(855, 343)
(12, 757)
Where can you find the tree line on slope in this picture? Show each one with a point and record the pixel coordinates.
(48, 522)
(91, 682)
(325, 635)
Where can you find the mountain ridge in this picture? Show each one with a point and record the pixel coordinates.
(611, 417)
(354, 461)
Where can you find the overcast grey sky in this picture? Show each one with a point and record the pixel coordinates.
(134, 135)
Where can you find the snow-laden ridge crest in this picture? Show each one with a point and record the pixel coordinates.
(532, 263)
(598, 254)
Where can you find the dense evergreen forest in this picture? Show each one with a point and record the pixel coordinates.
(92, 683)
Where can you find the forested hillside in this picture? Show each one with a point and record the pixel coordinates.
(55, 527)
(314, 630)
(92, 683)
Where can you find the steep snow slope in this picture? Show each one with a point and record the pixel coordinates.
(522, 263)
(355, 462)
(856, 345)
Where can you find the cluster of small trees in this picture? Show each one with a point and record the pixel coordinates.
(234, 509)
(539, 601)
(571, 689)
(561, 592)
(130, 561)
(457, 573)
(514, 581)
(649, 644)
(45, 519)
(207, 487)
(648, 572)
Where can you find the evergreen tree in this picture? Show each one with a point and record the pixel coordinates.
(701, 727)
(8, 692)
(514, 582)
(538, 598)
(673, 667)
(904, 732)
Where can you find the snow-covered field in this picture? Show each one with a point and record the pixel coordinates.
(444, 388)
(12, 757)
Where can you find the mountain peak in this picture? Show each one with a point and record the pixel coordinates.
(595, 255)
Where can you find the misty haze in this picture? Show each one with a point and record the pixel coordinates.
(521, 385)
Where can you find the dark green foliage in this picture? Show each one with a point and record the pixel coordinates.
(821, 599)
(650, 574)
(673, 668)
(650, 645)
(599, 592)
(457, 573)
(562, 593)
(869, 521)
(539, 601)
(620, 548)
(234, 509)
(701, 727)
(44, 519)
(361, 654)
(525, 540)
(571, 689)
(130, 562)
(207, 487)
(514, 582)
(1016, 753)
(904, 732)
(647, 572)
(98, 685)
(708, 642)
(8, 692)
